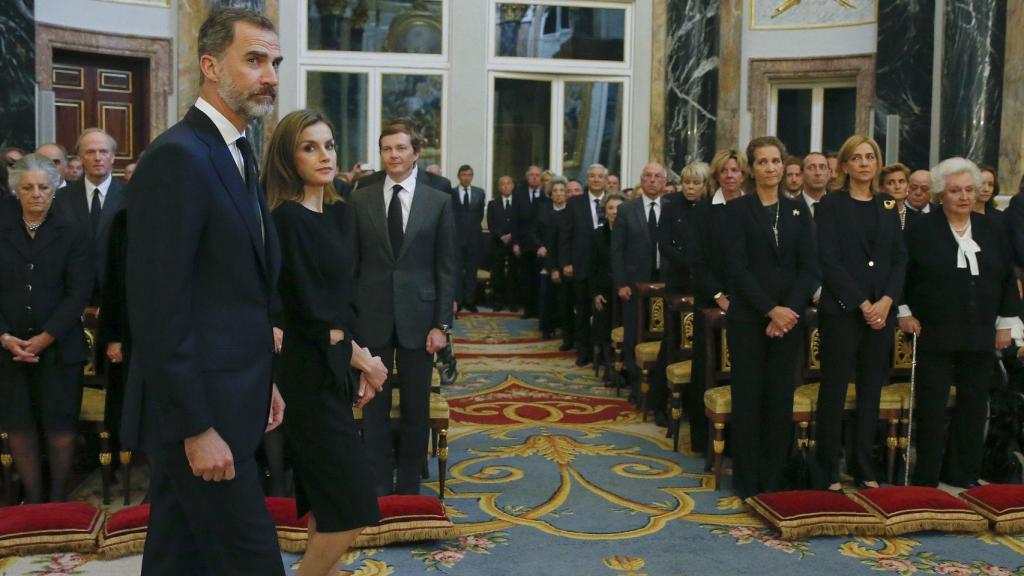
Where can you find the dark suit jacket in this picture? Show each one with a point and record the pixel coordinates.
(708, 239)
(199, 287)
(412, 294)
(631, 249)
(546, 230)
(47, 282)
(851, 271)
(958, 311)
(468, 221)
(71, 200)
(526, 214)
(433, 180)
(673, 229)
(1014, 217)
(762, 275)
(577, 237)
(113, 318)
(499, 220)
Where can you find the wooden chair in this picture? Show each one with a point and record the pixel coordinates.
(679, 363)
(618, 337)
(650, 329)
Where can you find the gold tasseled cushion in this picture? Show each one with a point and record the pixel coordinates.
(718, 400)
(680, 372)
(900, 394)
(618, 335)
(483, 275)
(647, 352)
(802, 404)
(438, 407)
(93, 401)
(809, 393)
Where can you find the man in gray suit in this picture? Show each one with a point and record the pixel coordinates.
(634, 254)
(405, 273)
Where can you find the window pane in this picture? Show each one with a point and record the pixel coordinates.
(840, 120)
(522, 120)
(405, 26)
(536, 31)
(342, 97)
(417, 97)
(592, 126)
(793, 123)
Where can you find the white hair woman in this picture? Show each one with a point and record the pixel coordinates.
(960, 294)
(48, 278)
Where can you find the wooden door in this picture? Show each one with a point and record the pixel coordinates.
(108, 92)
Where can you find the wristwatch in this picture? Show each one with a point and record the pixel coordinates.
(445, 328)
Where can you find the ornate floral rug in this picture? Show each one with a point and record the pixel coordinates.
(551, 474)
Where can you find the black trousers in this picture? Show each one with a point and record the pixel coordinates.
(693, 394)
(504, 276)
(547, 304)
(763, 378)
(414, 370)
(849, 348)
(566, 312)
(529, 279)
(583, 304)
(468, 263)
(207, 528)
(971, 372)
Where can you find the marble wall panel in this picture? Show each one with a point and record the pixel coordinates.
(1011, 137)
(17, 74)
(903, 81)
(730, 40)
(794, 14)
(692, 68)
(972, 65)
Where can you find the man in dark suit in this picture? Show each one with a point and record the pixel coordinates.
(500, 225)
(92, 201)
(405, 251)
(202, 264)
(635, 258)
(575, 253)
(527, 200)
(469, 214)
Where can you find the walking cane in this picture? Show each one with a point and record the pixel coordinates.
(910, 414)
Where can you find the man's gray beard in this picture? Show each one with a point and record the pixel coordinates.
(240, 103)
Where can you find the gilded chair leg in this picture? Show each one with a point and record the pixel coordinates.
(442, 459)
(719, 449)
(7, 461)
(106, 459)
(645, 387)
(126, 470)
(677, 417)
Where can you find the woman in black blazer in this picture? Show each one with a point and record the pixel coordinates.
(863, 263)
(894, 180)
(960, 294)
(601, 286)
(773, 266)
(47, 281)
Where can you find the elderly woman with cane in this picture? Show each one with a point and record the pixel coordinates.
(960, 294)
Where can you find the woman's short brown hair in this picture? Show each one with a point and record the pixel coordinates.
(280, 177)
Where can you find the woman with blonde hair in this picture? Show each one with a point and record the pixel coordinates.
(863, 263)
(322, 372)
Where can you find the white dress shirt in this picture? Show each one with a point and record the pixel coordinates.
(227, 130)
(404, 197)
(593, 209)
(647, 218)
(812, 204)
(92, 189)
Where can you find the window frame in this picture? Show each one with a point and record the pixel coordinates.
(817, 88)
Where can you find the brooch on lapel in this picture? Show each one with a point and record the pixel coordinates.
(889, 204)
(796, 212)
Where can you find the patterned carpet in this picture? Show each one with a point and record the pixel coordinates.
(550, 473)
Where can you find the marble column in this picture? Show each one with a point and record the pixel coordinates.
(1011, 138)
(691, 81)
(903, 81)
(730, 37)
(17, 74)
(973, 45)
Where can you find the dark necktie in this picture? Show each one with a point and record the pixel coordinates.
(507, 204)
(395, 231)
(597, 210)
(95, 211)
(533, 196)
(465, 197)
(251, 179)
(652, 232)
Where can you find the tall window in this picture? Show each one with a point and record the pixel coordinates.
(813, 117)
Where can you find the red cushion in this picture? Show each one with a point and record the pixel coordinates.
(42, 528)
(918, 508)
(124, 532)
(1001, 504)
(803, 513)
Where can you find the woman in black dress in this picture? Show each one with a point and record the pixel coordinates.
(773, 271)
(319, 353)
(47, 278)
(863, 263)
(601, 287)
(961, 295)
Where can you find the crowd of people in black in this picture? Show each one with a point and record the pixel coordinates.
(202, 277)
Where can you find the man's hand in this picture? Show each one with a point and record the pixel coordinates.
(376, 374)
(366, 392)
(276, 409)
(210, 456)
(567, 271)
(910, 325)
(114, 353)
(436, 341)
(38, 343)
(16, 346)
(723, 302)
(599, 302)
(1003, 339)
(278, 339)
(516, 250)
(784, 318)
(625, 293)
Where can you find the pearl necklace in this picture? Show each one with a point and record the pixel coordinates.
(30, 226)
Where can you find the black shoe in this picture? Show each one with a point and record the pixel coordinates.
(631, 398)
(661, 419)
(513, 309)
(471, 308)
(565, 347)
(527, 316)
(583, 360)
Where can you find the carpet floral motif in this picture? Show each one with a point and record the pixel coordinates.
(898, 555)
(765, 536)
(451, 552)
(58, 565)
